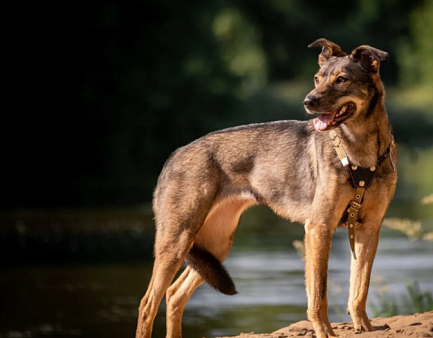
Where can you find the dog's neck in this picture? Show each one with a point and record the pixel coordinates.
(367, 139)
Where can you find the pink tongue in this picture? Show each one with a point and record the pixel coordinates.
(322, 122)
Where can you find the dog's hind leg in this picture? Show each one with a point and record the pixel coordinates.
(167, 263)
(318, 239)
(182, 200)
(177, 296)
(176, 226)
(211, 247)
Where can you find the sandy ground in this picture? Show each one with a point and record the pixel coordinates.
(414, 326)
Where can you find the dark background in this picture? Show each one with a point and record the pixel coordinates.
(100, 93)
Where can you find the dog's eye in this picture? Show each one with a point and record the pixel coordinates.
(341, 79)
(316, 79)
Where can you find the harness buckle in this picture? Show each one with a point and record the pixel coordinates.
(355, 205)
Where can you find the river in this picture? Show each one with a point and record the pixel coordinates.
(101, 300)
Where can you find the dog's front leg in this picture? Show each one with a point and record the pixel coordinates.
(366, 241)
(317, 248)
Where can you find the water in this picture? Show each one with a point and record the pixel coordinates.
(84, 299)
(101, 300)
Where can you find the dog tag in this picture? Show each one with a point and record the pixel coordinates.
(345, 161)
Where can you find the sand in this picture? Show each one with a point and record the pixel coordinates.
(414, 326)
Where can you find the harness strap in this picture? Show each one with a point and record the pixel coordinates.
(352, 217)
(361, 178)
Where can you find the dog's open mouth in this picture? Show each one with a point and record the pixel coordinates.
(327, 120)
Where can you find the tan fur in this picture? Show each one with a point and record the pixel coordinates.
(293, 169)
(216, 234)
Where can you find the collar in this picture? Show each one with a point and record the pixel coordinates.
(360, 177)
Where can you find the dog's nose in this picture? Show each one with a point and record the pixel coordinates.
(311, 102)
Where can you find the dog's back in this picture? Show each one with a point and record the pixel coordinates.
(257, 159)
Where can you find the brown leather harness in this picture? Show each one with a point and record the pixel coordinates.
(361, 179)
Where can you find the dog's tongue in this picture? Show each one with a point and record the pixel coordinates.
(322, 122)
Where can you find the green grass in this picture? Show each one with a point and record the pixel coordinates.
(414, 301)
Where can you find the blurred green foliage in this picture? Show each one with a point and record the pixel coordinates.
(415, 57)
(388, 305)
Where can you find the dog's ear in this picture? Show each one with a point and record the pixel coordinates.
(370, 57)
(329, 49)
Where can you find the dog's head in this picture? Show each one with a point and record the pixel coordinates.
(345, 84)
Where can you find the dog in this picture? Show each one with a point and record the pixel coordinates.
(305, 171)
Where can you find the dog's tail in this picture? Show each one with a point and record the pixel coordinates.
(211, 269)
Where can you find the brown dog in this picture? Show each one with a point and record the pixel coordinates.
(296, 169)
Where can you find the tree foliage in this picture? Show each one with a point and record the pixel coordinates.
(417, 49)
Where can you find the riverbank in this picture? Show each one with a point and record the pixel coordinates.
(70, 236)
(413, 326)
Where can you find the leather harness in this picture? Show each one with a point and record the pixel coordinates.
(361, 179)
